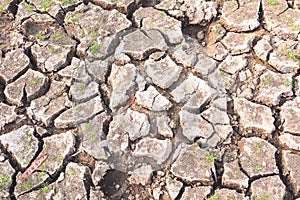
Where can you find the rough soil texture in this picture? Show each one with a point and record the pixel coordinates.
(145, 99)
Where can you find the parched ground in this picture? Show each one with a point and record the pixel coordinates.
(141, 99)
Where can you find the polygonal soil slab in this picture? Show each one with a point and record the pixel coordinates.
(275, 190)
(291, 169)
(150, 18)
(233, 177)
(290, 115)
(48, 106)
(227, 194)
(5, 179)
(122, 80)
(257, 156)
(254, 117)
(79, 113)
(194, 164)
(92, 135)
(140, 43)
(290, 141)
(32, 83)
(157, 70)
(241, 16)
(13, 64)
(154, 148)
(152, 100)
(7, 114)
(238, 43)
(196, 192)
(273, 87)
(21, 143)
(72, 185)
(57, 147)
(134, 123)
(91, 24)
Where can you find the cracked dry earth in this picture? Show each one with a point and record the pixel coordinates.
(170, 99)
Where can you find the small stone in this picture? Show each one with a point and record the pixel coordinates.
(216, 51)
(205, 64)
(263, 48)
(7, 115)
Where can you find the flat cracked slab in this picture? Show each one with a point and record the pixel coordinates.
(135, 99)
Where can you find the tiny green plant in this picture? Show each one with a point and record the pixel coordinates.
(92, 136)
(214, 197)
(46, 188)
(80, 86)
(3, 64)
(53, 49)
(258, 168)
(46, 5)
(273, 2)
(211, 157)
(287, 83)
(40, 37)
(72, 172)
(4, 178)
(87, 127)
(29, 7)
(59, 158)
(230, 197)
(26, 185)
(34, 82)
(267, 80)
(95, 49)
(67, 2)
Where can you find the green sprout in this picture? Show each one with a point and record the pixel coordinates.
(87, 127)
(46, 5)
(59, 158)
(26, 185)
(80, 86)
(1, 189)
(267, 80)
(92, 136)
(28, 7)
(67, 2)
(35, 81)
(4, 178)
(46, 188)
(3, 64)
(287, 83)
(72, 172)
(273, 2)
(211, 157)
(40, 37)
(215, 197)
(230, 197)
(53, 49)
(258, 168)
(95, 49)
